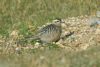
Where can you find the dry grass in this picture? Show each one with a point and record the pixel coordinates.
(20, 18)
(80, 49)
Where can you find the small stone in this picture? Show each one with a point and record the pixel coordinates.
(14, 33)
(37, 44)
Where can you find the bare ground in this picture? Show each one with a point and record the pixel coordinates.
(82, 38)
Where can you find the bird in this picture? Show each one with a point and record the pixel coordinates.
(49, 33)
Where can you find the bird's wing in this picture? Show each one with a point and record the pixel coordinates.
(46, 29)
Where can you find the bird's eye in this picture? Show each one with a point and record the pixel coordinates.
(57, 21)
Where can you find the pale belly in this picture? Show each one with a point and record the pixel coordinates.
(52, 37)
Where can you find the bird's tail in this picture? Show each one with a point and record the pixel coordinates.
(25, 39)
(31, 37)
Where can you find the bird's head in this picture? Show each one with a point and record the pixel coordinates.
(58, 21)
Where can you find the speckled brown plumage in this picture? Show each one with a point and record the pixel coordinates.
(50, 33)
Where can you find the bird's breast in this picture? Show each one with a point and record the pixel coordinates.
(51, 35)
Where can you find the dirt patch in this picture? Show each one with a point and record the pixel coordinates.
(83, 36)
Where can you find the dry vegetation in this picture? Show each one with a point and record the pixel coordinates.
(20, 18)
